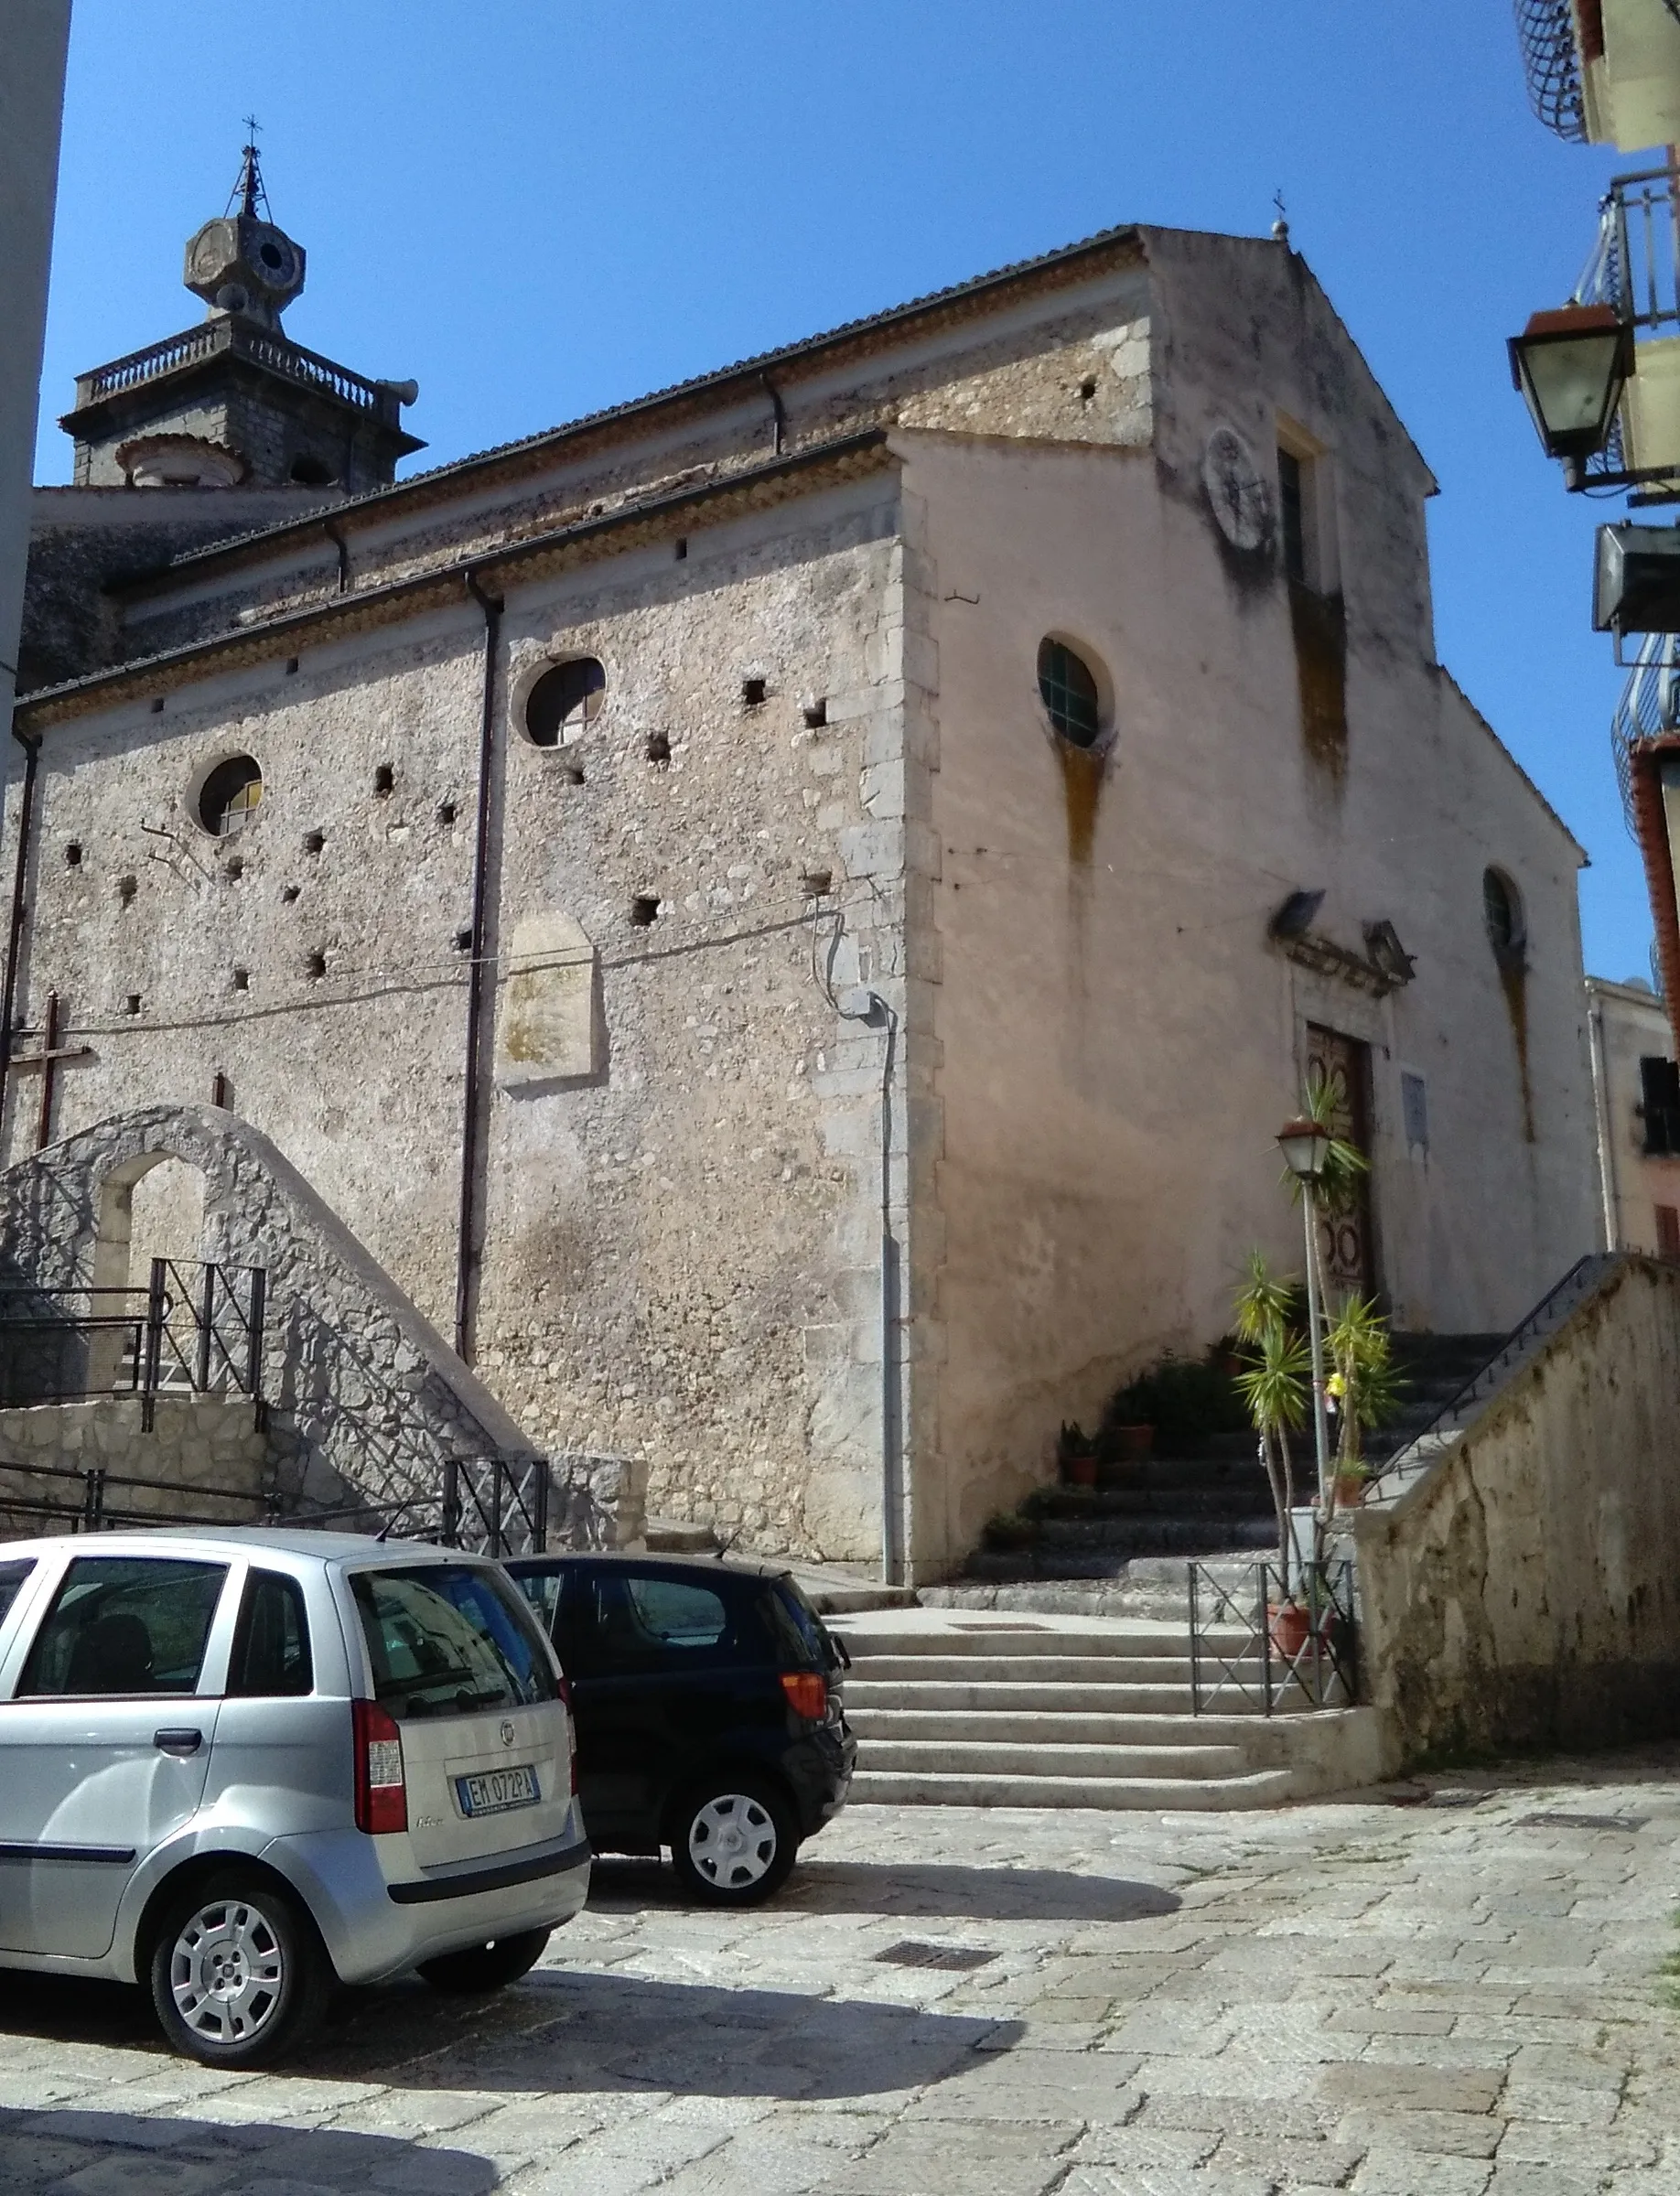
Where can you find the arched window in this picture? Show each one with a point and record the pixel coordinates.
(229, 796)
(1069, 689)
(564, 700)
(1502, 911)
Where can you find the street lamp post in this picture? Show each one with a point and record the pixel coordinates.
(1305, 1145)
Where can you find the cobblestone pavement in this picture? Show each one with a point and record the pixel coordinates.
(1436, 1999)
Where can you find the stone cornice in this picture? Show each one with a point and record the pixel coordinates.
(780, 481)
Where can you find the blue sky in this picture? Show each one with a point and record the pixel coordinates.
(537, 208)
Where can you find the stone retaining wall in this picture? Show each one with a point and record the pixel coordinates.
(1526, 1590)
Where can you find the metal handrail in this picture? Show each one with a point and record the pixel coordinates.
(1523, 1332)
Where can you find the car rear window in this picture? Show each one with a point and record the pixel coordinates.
(125, 1624)
(796, 1628)
(450, 1640)
(271, 1647)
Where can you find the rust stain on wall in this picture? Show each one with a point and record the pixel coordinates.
(1081, 788)
(1320, 627)
(1513, 982)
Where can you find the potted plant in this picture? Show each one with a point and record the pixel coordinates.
(1364, 1388)
(1008, 1530)
(1076, 1457)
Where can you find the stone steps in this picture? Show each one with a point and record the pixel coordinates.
(964, 1708)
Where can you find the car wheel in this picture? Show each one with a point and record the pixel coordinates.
(238, 1972)
(486, 1966)
(732, 1841)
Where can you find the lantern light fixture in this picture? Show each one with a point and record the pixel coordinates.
(1571, 366)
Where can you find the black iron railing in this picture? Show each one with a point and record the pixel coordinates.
(194, 1330)
(1261, 1641)
(59, 1499)
(489, 1505)
(1420, 1451)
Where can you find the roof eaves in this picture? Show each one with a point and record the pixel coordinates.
(846, 458)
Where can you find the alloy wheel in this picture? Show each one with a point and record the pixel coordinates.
(227, 1971)
(732, 1841)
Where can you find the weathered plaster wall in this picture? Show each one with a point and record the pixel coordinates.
(1117, 1037)
(1627, 1025)
(1527, 1591)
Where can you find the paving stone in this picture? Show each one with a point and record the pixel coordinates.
(949, 2160)
(1404, 2173)
(1391, 2086)
(1433, 2134)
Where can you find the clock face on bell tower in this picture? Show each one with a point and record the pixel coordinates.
(242, 263)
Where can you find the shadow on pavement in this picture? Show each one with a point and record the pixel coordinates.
(565, 2031)
(42, 2148)
(893, 1888)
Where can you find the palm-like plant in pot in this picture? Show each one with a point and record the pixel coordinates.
(1274, 1383)
(1364, 1387)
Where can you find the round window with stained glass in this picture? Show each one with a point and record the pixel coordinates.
(231, 796)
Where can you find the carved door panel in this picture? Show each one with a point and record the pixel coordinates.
(1345, 1243)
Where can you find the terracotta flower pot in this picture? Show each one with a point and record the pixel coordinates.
(1350, 1489)
(1290, 1628)
(1132, 1444)
(1080, 1470)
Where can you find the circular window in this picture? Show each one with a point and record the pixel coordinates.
(1502, 911)
(1069, 689)
(564, 700)
(229, 796)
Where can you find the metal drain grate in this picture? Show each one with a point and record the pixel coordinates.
(912, 1955)
(1587, 1821)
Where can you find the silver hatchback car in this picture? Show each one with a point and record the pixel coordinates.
(238, 1767)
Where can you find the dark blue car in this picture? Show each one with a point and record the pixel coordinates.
(708, 1706)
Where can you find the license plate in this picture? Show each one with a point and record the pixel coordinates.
(494, 1790)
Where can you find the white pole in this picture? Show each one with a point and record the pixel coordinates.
(1320, 1428)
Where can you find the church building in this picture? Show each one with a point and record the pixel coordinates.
(787, 914)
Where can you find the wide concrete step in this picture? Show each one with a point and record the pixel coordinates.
(1002, 1698)
(1258, 1788)
(1019, 1639)
(1029, 1726)
(1227, 1497)
(1156, 1535)
(964, 1757)
(1023, 1670)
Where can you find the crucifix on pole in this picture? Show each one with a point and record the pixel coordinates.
(47, 1060)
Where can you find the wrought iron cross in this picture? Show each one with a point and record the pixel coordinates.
(47, 1060)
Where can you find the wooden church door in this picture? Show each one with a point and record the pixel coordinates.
(1344, 1065)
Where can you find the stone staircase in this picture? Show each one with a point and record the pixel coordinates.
(1121, 1548)
(1041, 1711)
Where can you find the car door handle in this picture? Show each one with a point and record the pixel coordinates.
(178, 1741)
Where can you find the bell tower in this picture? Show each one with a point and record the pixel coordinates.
(234, 401)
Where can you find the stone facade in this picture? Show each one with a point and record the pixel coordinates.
(842, 1075)
(200, 1450)
(1525, 1592)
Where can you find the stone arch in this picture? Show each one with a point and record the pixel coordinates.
(150, 1206)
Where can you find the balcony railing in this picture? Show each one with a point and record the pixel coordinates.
(1546, 31)
(274, 351)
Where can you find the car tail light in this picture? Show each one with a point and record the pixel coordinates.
(382, 1791)
(807, 1692)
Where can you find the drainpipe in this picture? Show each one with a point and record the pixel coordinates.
(335, 534)
(780, 410)
(893, 1534)
(26, 816)
(467, 1245)
(1609, 1191)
